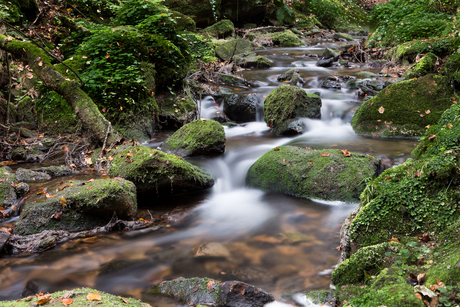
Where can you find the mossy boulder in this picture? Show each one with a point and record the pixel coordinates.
(25, 110)
(174, 112)
(183, 22)
(29, 175)
(242, 108)
(81, 205)
(440, 46)
(251, 60)
(290, 127)
(330, 53)
(343, 36)
(220, 29)
(388, 289)
(230, 80)
(157, 172)
(55, 170)
(404, 108)
(288, 102)
(209, 292)
(287, 39)
(308, 173)
(368, 260)
(19, 154)
(79, 299)
(422, 68)
(292, 76)
(7, 192)
(410, 199)
(200, 137)
(227, 50)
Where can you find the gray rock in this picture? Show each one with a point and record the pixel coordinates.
(242, 108)
(22, 189)
(330, 54)
(325, 63)
(29, 175)
(290, 127)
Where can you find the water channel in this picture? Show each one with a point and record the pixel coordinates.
(249, 226)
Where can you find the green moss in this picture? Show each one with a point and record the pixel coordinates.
(7, 194)
(442, 138)
(220, 29)
(201, 47)
(55, 114)
(87, 205)
(183, 22)
(79, 299)
(287, 39)
(25, 110)
(452, 70)
(199, 137)
(288, 102)
(158, 172)
(10, 11)
(253, 61)
(176, 112)
(343, 36)
(440, 46)
(226, 50)
(320, 297)
(422, 68)
(367, 261)
(305, 173)
(410, 199)
(388, 289)
(404, 108)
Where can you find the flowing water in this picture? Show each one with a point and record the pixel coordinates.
(279, 243)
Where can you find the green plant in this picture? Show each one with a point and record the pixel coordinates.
(133, 12)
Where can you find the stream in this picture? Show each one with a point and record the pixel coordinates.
(279, 243)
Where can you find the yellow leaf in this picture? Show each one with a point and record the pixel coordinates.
(88, 161)
(40, 63)
(63, 201)
(66, 301)
(93, 296)
(43, 299)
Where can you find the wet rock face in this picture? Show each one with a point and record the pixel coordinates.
(225, 51)
(29, 175)
(200, 137)
(210, 292)
(242, 108)
(7, 192)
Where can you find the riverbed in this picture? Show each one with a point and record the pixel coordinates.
(279, 243)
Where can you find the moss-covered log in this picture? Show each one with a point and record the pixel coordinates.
(82, 104)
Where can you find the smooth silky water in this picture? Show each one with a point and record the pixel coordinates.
(252, 227)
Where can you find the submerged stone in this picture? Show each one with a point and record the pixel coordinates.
(200, 137)
(81, 205)
(306, 173)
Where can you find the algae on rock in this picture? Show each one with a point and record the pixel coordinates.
(287, 39)
(308, 173)
(425, 66)
(200, 137)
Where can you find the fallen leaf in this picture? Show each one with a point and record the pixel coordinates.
(394, 240)
(93, 296)
(43, 299)
(63, 201)
(130, 154)
(88, 161)
(346, 153)
(56, 215)
(381, 110)
(66, 301)
(387, 178)
(124, 300)
(422, 115)
(325, 154)
(284, 160)
(418, 295)
(432, 136)
(40, 63)
(427, 111)
(276, 149)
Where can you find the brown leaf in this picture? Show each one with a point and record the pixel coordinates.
(66, 301)
(56, 215)
(432, 136)
(276, 149)
(387, 178)
(124, 300)
(43, 299)
(40, 63)
(394, 240)
(93, 296)
(418, 295)
(381, 110)
(346, 153)
(427, 111)
(63, 201)
(325, 154)
(130, 154)
(425, 237)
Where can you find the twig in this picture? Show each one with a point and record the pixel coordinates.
(9, 90)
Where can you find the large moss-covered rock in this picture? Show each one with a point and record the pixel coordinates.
(368, 260)
(209, 292)
(157, 172)
(220, 29)
(251, 60)
(79, 206)
(174, 112)
(404, 108)
(183, 22)
(287, 39)
(288, 102)
(79, 298)
(29, 175)
(7, 193)
(440, 46)
(227, 50)
(200, 137)
(388, 289)
(307, 173)
(424, 67)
